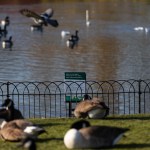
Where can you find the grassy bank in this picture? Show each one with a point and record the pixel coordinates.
(137, 138)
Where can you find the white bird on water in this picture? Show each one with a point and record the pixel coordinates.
(143, 29)
(87, 18)
(64, 33)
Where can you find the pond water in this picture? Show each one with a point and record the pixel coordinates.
(109, 49)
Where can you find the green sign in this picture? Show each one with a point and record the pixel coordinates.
(75, 75)
(73, 99)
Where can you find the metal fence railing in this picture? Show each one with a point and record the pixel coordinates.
(57, 99)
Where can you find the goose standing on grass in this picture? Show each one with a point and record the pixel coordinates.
(83, 135)
(42, 19)
(17, 130)
(91, 108)
(7, 43)
(9, 112)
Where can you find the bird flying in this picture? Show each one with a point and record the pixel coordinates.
(41, 19)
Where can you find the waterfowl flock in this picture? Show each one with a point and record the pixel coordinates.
(81, 134)
(15, 128)
(41, 20)
(6, 42)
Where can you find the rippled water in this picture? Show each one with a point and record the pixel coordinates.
(108, 49)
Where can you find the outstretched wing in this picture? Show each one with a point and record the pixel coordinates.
(48, 13)
(29, 13)
(37, 18)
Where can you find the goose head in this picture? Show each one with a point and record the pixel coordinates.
(80, 124)
(8, 103)
(86, 97)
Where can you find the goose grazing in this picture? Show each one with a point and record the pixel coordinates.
(9, 112)
(73, 40)
(42, 19)
(28, 143)
(91, 108)
(16, 130)
(83, 135)
(7, 43)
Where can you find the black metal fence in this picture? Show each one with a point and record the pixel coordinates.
(57, 99)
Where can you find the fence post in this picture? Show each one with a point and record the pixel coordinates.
(139, 92)
(8, 83)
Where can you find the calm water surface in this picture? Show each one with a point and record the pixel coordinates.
(108, 49)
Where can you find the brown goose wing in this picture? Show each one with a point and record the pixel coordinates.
(102, 136)
(12, 134)
(30, 14)
(19, 123)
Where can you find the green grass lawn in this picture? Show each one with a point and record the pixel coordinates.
(138, 137)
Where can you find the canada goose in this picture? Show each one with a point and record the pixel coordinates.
(28, 143)
(3, 31)
(83, 135)
(7, 43)
(71, 42)
(42, 19)
(5, 22)
(17, 130)
(94, 108)
(9, 112)
(3, 26)
(76, 37)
